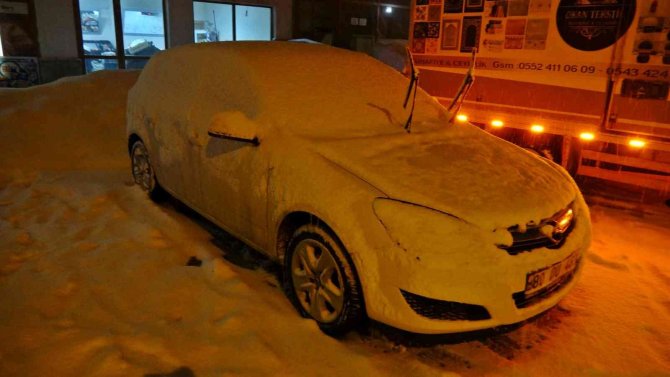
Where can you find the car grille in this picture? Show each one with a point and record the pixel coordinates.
(445, 310)
(533, 238)
(521, 301)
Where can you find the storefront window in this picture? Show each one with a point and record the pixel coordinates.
(253, 23)
(97, 27)
(214, 22)
(143, 27)
(93, 65)
(142, 32)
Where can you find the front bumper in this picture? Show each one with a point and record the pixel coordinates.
(495, 282)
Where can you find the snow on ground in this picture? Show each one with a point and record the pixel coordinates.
(94, 281)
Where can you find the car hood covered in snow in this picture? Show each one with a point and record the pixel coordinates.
(460, 170)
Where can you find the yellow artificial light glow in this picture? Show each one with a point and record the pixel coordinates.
(536, 128)
(637, 143)
(497, 123)
(565, 221)
(587, 136)
(462, 118)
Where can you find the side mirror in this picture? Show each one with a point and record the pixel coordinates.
(234, 125)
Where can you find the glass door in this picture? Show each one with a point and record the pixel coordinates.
(214, 22)
(120, 33)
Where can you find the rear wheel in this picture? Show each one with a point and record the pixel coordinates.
(143, 172)
(321, 281)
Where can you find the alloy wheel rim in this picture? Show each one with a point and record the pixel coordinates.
(317, 281)
(142, 172)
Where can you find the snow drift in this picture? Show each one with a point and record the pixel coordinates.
(93, 279)
(73, 123)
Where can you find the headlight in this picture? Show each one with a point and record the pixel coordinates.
(431, 235)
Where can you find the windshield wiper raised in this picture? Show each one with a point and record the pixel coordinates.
(462, 92)
(413, 84)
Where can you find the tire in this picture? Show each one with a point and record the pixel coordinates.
(321, 281)
(143, 172)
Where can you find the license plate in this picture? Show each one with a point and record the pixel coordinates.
(548, 276)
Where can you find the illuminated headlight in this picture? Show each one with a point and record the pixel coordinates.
(564, 221)
(433, 234)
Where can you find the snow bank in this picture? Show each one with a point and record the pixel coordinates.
(93, 276)
(93, 280)
(73, 123)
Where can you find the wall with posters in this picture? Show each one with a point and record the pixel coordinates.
(603, 64)
(546, 40)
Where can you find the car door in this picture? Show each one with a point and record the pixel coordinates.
(234, 177)
(163, 107)
(233, 174)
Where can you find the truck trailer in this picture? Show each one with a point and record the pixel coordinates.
(582, 82)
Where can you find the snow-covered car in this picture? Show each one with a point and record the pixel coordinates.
(305, 153)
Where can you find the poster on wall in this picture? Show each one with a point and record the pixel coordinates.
(514, 34)
(474, 5)
(495, 8)
(434, 12)
(90, 21)
(537, 31)
(539, 7)
(420, 30)
(450, 30)
(433, 30)
(519, 8)
(470, 33)
(453, 6)
(595, 24)
(18, 72)
(419, 45)
(432, 45)
(421, 13)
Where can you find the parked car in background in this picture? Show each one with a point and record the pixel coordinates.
(306, 153)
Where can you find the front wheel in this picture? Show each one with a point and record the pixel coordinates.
(321, 282)
(143, 172)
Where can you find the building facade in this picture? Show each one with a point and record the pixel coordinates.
(43, 40)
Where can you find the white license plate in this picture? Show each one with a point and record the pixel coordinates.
(548, 276)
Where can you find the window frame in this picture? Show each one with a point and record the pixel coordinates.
(120, 56)
(234, 5)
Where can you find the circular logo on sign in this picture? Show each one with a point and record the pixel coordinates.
(591, 25)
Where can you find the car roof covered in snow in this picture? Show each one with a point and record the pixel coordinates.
(310, 89)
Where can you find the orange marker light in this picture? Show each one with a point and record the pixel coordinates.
(587, 136)
(536, 128)
(637, 143)
(462, 118)
(497, 123)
